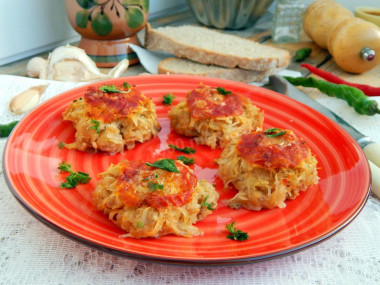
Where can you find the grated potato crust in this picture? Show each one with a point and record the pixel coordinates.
(144, 220)
(215, 131)
(139, 126)
(264, 187)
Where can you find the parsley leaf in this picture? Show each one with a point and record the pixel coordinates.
(274, 132)
(154, 186)
(234, 233)
(208, 205)
(127, 85)
(168, 99)
(223, 91)
(139, 225)
(64, 167)
(186, 160)
(95, 126)
(165, 164)
(185, 150)
(72, 180)
(109, 89)
(61, 145)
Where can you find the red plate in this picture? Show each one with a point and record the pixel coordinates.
(32, 155)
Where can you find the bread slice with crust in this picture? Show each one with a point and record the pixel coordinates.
(173, 65)
(207, 46)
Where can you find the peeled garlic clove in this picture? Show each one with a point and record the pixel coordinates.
(27, 99)
(36, 66)
(119, 69)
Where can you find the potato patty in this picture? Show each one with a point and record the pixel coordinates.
(267, 167)
(146, 201)
(214, 116)
(111, 119)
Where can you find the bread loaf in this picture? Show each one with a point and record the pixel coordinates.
(174, 65)
(207, 46)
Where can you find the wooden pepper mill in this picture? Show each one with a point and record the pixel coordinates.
(354, 43)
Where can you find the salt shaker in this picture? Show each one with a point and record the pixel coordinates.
(287, 21)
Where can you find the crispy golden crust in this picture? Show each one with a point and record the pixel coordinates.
(262, 185)
(111, 131)
(124, 195)
(211, 130)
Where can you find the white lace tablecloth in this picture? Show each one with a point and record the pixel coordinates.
(32, 253)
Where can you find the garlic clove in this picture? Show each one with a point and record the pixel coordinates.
(36, 66)
(69, 63)
(73, 70)
(119, 69)
(27, 99)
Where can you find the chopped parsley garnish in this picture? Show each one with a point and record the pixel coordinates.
(154, 186)
(165, 164)
(274, 132)
(209, 206)
(109, 89)
(61, 145)
(185, 150)
(168, 99)
(139, 225)
(74, 178)
(64, 167)
(95, 126)
(223, 91)
(127, 85)
(234, 233)
(185, 160)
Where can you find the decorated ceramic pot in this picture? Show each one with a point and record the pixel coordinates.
(108, 27)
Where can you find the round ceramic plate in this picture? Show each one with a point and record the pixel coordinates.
(32, 155)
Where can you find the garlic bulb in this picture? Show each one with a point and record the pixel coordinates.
(69, 63)
(27, 99)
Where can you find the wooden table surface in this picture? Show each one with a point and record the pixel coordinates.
(259, 32)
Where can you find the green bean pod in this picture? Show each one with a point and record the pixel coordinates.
(353, 96)
(5, 130)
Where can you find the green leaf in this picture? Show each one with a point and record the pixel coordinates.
(165, 164)
(234, 233)
(96, 125)
(274, 132)
(61, 145)
(134, 18)
(81, 18)
(168, 99)
(185, 160)
(65, 167)
(72, 180)
(209, 206)
(154, 186)
(223, 91)
(187, 149)
(109, 89)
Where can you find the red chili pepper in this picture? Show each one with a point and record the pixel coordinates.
(368, 90)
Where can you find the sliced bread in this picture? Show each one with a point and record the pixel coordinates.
(207, 46)
(173, 65)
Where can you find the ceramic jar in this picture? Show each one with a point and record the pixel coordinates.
(108, 27)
